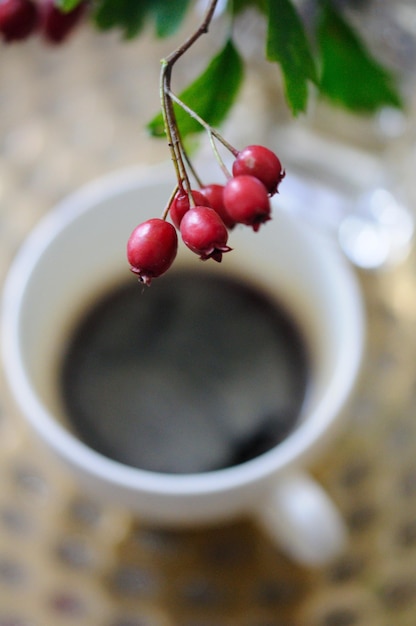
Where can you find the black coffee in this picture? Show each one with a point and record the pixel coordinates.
(196, 373)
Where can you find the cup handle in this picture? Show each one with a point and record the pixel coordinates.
(301, 518)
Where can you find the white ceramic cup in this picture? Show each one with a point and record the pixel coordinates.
(78, 251)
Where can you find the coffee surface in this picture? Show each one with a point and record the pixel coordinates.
(195, 373)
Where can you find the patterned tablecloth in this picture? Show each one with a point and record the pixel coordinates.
(68, 115)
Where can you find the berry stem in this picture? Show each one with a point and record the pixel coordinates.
(220, 161)
(167, 208)
(210, 130)
(192, 169)
(170, 124)
(178, 153)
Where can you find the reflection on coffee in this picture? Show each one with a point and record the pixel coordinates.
(196, 373)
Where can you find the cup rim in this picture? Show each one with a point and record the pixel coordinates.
(297, 446)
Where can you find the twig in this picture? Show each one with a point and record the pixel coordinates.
(203, 123)
(169, 118)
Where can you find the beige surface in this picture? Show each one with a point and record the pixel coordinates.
(67, 116)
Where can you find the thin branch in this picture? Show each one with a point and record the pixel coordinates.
(218, 156)
(169, 118)
(202, 30)
(203, 123)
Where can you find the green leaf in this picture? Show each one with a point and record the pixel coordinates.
(238, 6)
(351, 77)
(211, 95)
(287, 44)
(169, 16)
(67, 5)
(128, 15)
(131, 15)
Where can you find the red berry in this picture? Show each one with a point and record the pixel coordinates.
(262, 163)
(214, 195)
(247, 201)
(204, 232)
(151, 249)
(18, 19)
(56, 25)
(180, 204)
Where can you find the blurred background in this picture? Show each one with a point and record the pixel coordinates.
(71, 113)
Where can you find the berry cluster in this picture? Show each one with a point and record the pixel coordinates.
(205, 216)
(19, 19)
